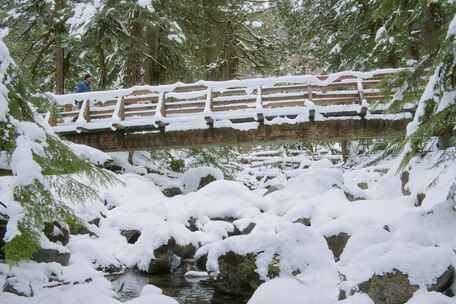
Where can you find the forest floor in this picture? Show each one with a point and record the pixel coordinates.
(326, 232)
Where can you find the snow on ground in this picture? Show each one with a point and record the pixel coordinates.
(387, 232)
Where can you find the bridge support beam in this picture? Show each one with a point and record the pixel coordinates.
(328, 130)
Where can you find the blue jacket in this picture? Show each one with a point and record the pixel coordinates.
(82, 87)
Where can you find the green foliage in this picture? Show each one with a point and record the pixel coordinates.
(22, 246)
(177, 165)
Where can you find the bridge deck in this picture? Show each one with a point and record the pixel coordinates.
(292, 107)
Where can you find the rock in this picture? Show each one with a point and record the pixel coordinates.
(111, 268)
(390, 288)
(114, 168)
(206, 180)
(57, 232)
(336, 243)
(162, 262)
(12, 285)
(381, 171)
(363, 185)
(303, 220)
(201, 262)
(95, 221)
(168, 257)
(191, 224)
(271, 189)
(444, 282)
(229, 219)
(395, 287)
(237, 275)
(405, 177)
(182, 251)
(248, 229)
(51, 255)
(419, 199)
(173, 191)
(132, 235)
(3, 224)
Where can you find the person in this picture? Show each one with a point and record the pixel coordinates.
(82, 87)
(85, 85)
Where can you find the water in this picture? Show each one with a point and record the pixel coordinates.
(184, 290)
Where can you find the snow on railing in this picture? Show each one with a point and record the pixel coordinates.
(233, 99)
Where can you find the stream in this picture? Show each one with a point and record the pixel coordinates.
(185, 290)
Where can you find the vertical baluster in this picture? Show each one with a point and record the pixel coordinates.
(259, 106)
(362, 100)
(160, 111)
(208, 108)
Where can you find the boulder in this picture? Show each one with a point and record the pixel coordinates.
(51, 255)
(405, 177)
(95, 221)
(389, 288)
(191, 224)
(419, 199)
(201, 262)
(173, 191)
(162, 262)
(363, 186)
(12, 285)
(303, 220)
(206, 180)
(336, 243)
(237, 275)
(111, 268)
(395, 287)
(3, 224)
(132, 235)
(169, 257)
(57, 232)
(444, 282)
(271, 189)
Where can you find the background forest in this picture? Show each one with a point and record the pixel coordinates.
(124, 43)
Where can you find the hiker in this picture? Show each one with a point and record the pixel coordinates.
(82, 87)
(85, 85)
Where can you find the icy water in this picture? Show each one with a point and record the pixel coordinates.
(184, 290)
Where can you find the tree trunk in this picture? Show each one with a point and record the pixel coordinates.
(134, 71)
(152, 72)
(59, 53)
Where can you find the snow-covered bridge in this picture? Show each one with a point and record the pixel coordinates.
(307, 107)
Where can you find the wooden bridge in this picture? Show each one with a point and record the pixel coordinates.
(307, 107)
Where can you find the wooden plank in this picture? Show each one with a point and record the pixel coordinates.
(329, 130)
(184, 111)
(140, 113)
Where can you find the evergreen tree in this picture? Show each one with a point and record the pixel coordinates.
(45, 172)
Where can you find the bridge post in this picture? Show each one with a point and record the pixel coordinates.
(160, 112)
(362, 99)
(259, 107)
(208, 109)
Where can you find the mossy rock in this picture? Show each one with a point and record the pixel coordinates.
(177, 165)
(395, 287)
(57, 232)
(173, 191)
(336, 243)
(238, 275)
(3, 224)
(363, 185)
(132, 235)
(206, 180)
(304, 221)
(51, 255)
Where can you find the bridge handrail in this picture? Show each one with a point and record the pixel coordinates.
(220, 86)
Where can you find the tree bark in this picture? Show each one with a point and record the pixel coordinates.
(59, 52)
(134, 71)
(152, 71)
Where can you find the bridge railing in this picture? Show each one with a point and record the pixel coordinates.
(317, 96)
